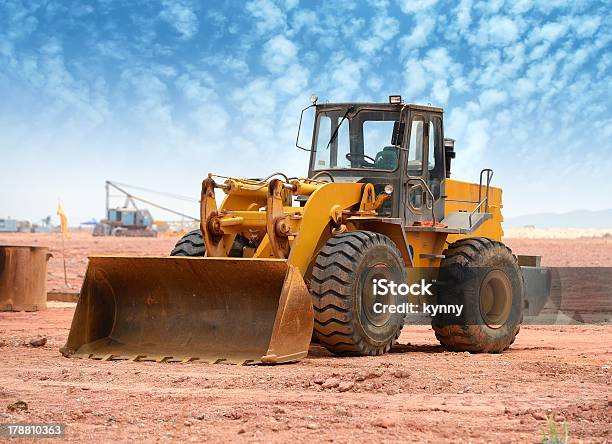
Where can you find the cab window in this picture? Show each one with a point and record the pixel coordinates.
(415, 149)
(376, 144)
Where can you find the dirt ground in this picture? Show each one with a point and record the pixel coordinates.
(418, 393)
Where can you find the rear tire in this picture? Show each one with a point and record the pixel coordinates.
(192, 245)
(484, 277)
(341, 287)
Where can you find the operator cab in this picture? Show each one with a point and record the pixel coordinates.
(393, 144)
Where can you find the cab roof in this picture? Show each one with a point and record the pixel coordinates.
(385, 105)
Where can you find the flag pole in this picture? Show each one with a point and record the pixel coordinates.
(64, 261)
(64, 233)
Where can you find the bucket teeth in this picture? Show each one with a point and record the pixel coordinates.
(168, 359)
(145, 358)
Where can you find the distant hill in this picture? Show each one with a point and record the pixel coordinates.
(573, 219)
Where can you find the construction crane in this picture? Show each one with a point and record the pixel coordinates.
(130, 220)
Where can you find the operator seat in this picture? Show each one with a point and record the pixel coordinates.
(387, 158)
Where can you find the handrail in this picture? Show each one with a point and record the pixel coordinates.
(474, 211)
(431, 194)
(489, 172)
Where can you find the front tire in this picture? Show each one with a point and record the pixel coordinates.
(484, 277)
(343, 297)
(192, 245)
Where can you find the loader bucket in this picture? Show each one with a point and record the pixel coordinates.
(217, 310)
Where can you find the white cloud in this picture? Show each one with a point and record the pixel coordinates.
(521, 6)
(440, 92)
(472, 137)
(180, 15)
(383, 28)
(412, 6)
(290, 4)
(539, 51)
(256, 98)
(577, 59)
(344, 79)
(585, 27)
(490, 7)
(380, 4)
(464, 15)
(294, 80)
(194, 89)
(552, 31)
(541, 73)
(437, 69)
(415, 78)
(418, 37)
(498, 31)
(491, 98)
(460, 85)
(523, 88)
(212, 122)
(151, 104)
(269, 16)
(497, 66)
(374, 82)
(438, 62)
(547, 33)
(228, 64)
(476, 139)
(305, 19)
(278, 52)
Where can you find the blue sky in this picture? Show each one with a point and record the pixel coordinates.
(158, 94)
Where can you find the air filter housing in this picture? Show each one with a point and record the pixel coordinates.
(449, 154)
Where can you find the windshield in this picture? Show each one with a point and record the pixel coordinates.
(355, 140)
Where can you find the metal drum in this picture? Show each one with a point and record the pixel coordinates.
(23, 278)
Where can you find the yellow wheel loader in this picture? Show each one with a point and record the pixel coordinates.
(284, 260)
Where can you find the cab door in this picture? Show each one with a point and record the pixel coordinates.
(424, 168)
(436, 173)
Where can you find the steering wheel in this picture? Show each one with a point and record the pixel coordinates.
(366, 160)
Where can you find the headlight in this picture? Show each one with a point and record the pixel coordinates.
(388, 189)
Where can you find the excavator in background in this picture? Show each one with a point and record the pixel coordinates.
(285, 260)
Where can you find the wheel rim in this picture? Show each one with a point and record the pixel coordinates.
(368, 298)
(495, 298)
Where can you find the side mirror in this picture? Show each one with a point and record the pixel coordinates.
(398, 133)
(309, 118)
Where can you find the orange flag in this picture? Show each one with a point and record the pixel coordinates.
(63, 219)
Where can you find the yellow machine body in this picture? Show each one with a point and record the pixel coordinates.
(255, 309)
(463, 196)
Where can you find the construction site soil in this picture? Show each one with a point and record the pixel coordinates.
(416, 393)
